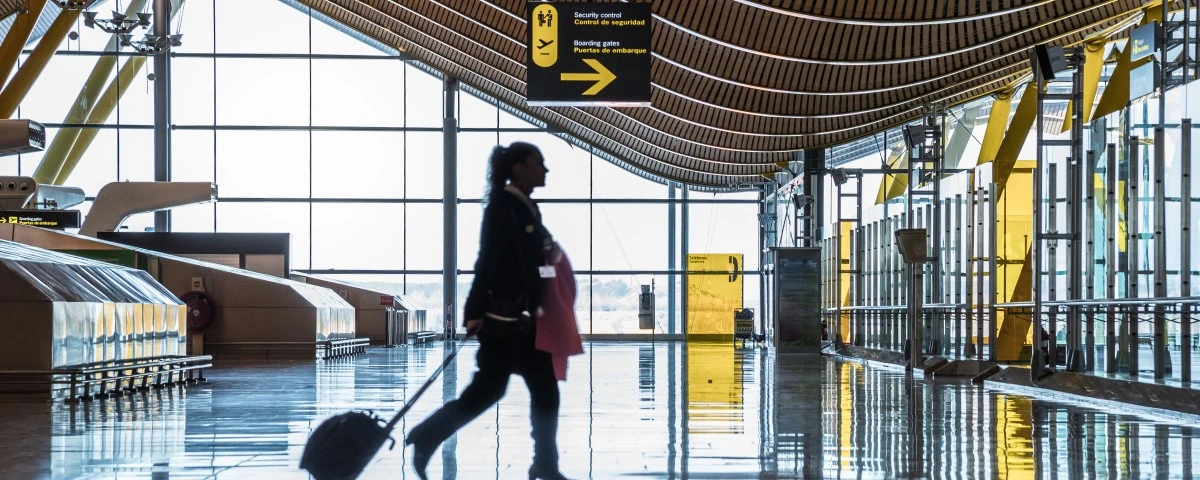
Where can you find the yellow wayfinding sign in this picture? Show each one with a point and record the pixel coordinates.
(588, 54)
(714, 291)
(544, 49)
(602, 76)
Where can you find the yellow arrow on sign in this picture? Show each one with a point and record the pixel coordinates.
(602, 77)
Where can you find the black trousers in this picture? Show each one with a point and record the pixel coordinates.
(498, 358)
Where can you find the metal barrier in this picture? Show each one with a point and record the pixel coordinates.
(422, 336)
(1111, 338)
(343, 347)
(153, 372)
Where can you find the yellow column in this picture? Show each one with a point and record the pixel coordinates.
(997, 120)
(1093, 66)
(847, 229)
(893, 186)
(104, 107)
(48, 170)
(16, 90)
(17, 35)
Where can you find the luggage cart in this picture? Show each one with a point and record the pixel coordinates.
(743, 326)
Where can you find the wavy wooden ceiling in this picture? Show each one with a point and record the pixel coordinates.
(740, 85)
(9, 7)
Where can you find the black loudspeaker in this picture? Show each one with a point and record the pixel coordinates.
(1047, 60)
(814, 161)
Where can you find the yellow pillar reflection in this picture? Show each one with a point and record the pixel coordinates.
(714, 392)
(1014, 438)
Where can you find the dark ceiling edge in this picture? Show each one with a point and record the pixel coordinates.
(507, 107)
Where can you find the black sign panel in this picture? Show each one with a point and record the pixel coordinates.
(53, 219)
(798, 299)
(1143, 41)
(588, 54)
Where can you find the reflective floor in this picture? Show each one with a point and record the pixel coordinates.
(668, 411)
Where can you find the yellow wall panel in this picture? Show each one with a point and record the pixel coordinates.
(714, 291)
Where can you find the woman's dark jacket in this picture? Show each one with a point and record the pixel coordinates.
(511, 242)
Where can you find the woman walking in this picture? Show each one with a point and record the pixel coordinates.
(502, 309)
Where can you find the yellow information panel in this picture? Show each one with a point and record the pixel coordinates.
(714, 291)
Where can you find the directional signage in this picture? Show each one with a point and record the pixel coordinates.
(53, 219)
(588, 54)
(1143, 41)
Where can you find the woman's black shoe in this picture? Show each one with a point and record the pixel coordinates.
(536, 473)
(421, 456)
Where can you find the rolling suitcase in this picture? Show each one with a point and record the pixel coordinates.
(342, 446)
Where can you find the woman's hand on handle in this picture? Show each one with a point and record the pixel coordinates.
(473, 327)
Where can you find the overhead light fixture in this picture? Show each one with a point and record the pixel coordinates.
(73, 4)
(123, 26)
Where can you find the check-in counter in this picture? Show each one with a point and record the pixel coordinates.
(256, 315)
(374, 309)
(59, 311)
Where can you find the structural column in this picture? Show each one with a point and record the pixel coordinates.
(672, 252)
(1185, 259)
(683, 255)
(162, 109)
(450, 196)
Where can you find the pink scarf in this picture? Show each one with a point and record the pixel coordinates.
(557, 332)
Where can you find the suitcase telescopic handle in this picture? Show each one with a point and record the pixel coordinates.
(413, 400)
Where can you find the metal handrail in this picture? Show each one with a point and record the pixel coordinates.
(1106, 302)
(944, 306)
(866, 308)
(80, 375)
(877, 308)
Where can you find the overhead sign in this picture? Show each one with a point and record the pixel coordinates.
(588, 54)
(1143, 41)
(1143, 80)
(53, 219)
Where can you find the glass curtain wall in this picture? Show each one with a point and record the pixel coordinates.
(310, 130)
(986, 235)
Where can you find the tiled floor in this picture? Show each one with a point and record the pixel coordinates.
(668, 411)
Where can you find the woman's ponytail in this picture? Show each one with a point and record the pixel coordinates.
(500, 165)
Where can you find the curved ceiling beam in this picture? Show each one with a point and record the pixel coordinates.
(815, 131)
(888, 61)
(704, 129)
(854, 92)
(830, 115)
(892, 23)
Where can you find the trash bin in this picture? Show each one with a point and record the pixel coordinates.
(397, 325)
